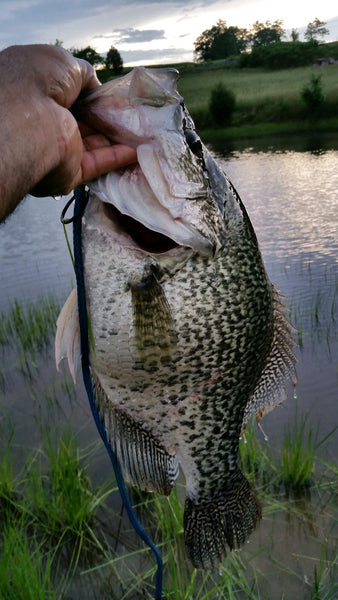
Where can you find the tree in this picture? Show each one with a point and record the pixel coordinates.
(316, 29)
(294, 35)
(228, 43)
(220, 42)
(204, 41)
(88, 54)
(263, 34)
(114, 61)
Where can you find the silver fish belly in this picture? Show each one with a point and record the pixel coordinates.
(190, 336)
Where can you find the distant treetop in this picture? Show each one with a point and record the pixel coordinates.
(88, 54)
(316, 29)
(221, 41)
(263, 34)
(114, 61)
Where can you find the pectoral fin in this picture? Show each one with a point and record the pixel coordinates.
(67, 338)
(155, 334)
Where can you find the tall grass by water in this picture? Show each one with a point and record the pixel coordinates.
(52, 528)
(27, 329)
(64, 536)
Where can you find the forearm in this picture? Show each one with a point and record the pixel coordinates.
(25, 134)
(25, 157)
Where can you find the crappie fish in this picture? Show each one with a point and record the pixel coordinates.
(190, 336)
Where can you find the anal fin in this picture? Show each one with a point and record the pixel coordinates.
(143, 461)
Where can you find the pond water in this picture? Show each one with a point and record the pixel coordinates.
(290, 190)
(292, 200)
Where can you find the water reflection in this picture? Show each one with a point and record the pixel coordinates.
(33, 253)
(316, 143)
(292, 201)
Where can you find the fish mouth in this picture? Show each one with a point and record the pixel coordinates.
(146, 239)
(149, 214)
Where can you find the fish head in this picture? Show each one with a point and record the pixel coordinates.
(122, 108)
(175, 194)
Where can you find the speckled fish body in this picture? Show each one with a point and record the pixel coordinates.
(190, 337)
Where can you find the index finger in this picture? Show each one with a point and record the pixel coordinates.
(90, 80)
(101, 160)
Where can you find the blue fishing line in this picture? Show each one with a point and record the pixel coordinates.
(81, 197)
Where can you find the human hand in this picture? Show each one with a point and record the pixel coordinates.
(45, 150)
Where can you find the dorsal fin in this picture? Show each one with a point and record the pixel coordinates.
(279, 368)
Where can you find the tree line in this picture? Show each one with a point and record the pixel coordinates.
(221, 41)
(112, 61)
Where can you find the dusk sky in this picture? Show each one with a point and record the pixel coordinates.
(147, 32)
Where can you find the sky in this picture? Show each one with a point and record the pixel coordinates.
(148, 32)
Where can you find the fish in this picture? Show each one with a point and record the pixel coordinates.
(190, 337)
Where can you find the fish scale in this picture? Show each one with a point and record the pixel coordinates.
(190, 337)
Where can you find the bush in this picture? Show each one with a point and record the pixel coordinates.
(222, 104)
(312, 95)
(280, 55)
(202, 118)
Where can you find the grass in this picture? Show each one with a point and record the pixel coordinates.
(62, 499)
(25, 567)
(267, 102)
(28, 329)
(7, 477)
(315, 318)
(298, 455)
(48, 513)
(257, 130)
(257, 459)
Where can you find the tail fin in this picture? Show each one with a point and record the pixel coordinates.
(224, 520)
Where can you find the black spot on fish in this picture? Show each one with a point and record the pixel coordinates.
(194, 142)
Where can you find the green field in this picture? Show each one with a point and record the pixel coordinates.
(261, 96)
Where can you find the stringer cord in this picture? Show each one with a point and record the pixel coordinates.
(81, 198)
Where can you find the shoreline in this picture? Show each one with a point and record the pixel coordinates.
(266, 130)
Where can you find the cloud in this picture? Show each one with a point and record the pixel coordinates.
(76, 21)
(148, 57)
(133, 36)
